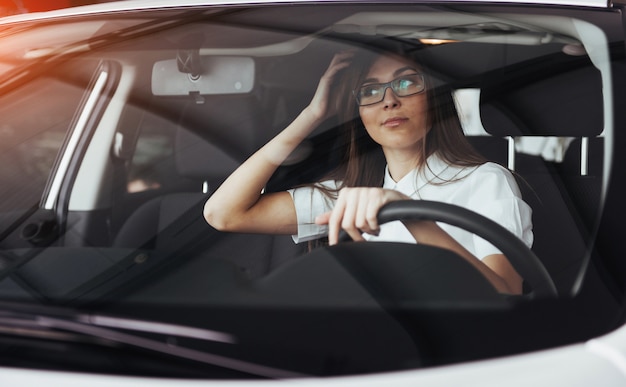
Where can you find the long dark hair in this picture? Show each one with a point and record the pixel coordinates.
(363, 160)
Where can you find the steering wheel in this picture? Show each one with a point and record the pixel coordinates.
(521, 257)
(396, 274)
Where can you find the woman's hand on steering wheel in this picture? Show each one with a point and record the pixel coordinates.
(356, 212)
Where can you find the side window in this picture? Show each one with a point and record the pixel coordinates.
(33, 124)
(152, 165)
(152, 158)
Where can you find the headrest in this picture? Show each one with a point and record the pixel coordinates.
(565, 105)
(198, 159)
(229, 127)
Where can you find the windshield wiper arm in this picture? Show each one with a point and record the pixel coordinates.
(95, 326)
(155, 327)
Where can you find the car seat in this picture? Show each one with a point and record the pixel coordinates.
(565, 201)
(206, 157)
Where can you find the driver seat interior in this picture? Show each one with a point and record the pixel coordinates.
(565, 201)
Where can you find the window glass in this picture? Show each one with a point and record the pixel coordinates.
(153, 153)
(532, 104)
(35, 121)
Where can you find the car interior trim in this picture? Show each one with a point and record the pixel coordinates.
(55, 187)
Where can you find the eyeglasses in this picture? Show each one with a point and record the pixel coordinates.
(402, 87)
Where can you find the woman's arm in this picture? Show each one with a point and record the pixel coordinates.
(238, 205)
(496, 267)
(356, 212)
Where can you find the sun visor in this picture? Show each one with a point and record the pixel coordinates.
(208, 75)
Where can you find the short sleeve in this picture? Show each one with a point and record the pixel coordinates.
(495, 195)
(311, 201)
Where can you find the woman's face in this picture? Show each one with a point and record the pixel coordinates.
(396, 123)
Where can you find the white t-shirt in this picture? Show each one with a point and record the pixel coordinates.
(488, 189)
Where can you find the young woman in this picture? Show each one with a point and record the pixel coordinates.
(414, 148)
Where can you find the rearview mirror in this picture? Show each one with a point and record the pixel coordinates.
(217, 75)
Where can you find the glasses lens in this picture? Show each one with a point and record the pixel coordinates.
(370, 94)
(408, 85)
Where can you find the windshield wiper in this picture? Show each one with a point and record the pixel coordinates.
(92, 326)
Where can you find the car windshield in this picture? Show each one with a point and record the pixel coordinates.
(116, 129)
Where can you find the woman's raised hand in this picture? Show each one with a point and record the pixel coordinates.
(356, 211)
(321, 106)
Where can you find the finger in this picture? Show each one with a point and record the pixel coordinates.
(340, 61)
(371, 213)
(343, 56)
(323, 218)
(334, 221)
(362, 222)
(348, 221)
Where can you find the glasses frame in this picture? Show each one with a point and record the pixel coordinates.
(388, 85)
